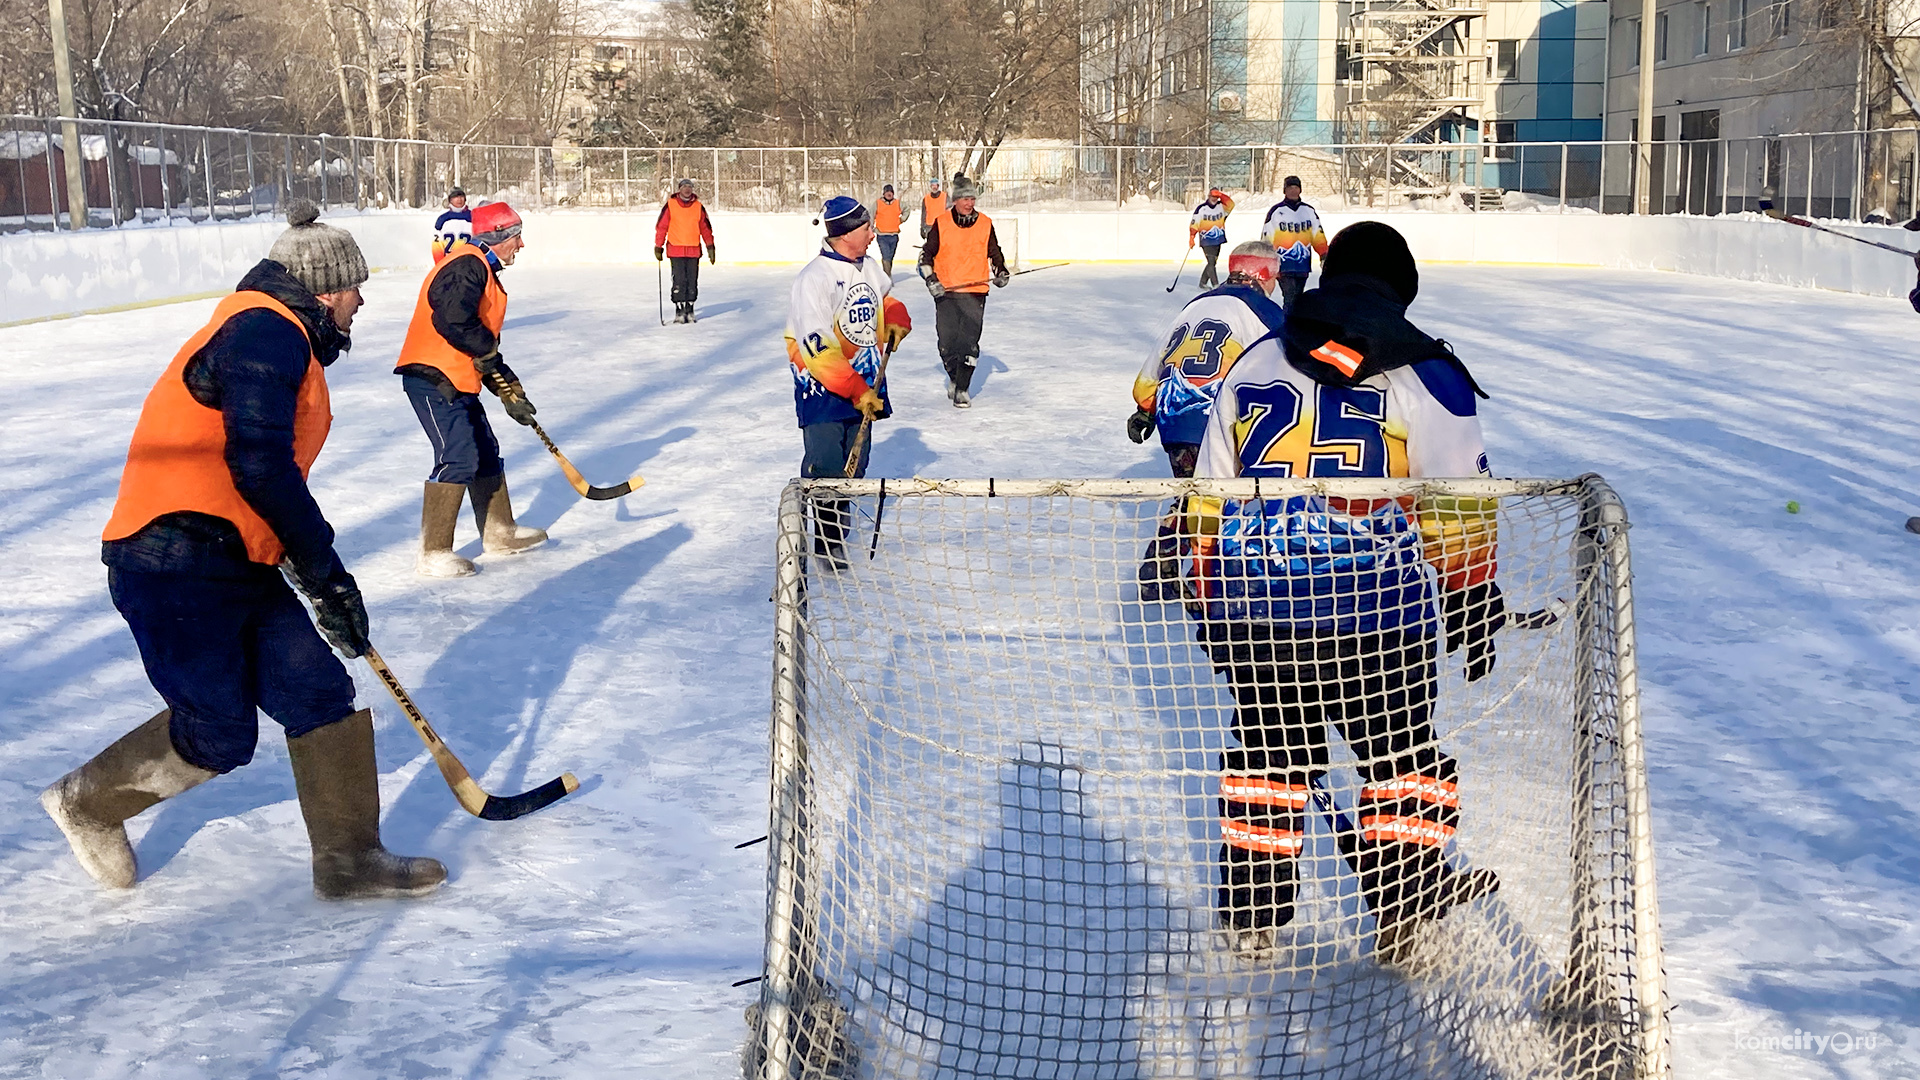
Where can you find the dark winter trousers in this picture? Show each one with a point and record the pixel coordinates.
(218, 649)
(686, 278)
(1291, 286)
(464, 448)
(889, 244)
(1210, 277)
(826, 446)
(1183, 457)
(1378, 691)
(957, 321)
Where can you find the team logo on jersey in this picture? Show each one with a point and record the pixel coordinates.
(860, 315)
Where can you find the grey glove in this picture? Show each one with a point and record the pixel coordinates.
(500, 379)
(1001, 277)
(933, 286)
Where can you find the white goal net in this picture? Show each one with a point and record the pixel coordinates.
(1117, 779)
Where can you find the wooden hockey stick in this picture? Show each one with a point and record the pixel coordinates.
(1767, 208)
(1015, 274)
(472, 799)
(579, 482)
(1183, 268)
(860, 438)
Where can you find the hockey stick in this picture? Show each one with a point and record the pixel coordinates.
(472, 799)
(1183, 268)
(1767, 208)
(597, 494)
(660, 289)
(860, 437)
(1015, 274)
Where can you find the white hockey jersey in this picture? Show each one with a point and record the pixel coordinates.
(835, 316)
(1295, 232)
(1178, 381)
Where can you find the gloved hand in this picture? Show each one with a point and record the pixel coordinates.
(898, 324)
(1474, 614)
(1140, 425)
(338, 610)
(870, 405)
(1190, 239)
(659, 254)
(1001, 277)
(933, 286)
(497, 377)
(713, 257)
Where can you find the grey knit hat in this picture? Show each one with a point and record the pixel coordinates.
(324, 258)
(965, 188)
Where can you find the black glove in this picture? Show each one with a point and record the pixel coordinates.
(713, 256)
(1474, 615)
(933, 286)
(1140, 425)
(337, 608)
(1001, 277)
(659, 254)
(499, 378)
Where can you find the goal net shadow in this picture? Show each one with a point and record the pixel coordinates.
(997, 841)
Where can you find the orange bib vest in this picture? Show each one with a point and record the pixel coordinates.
(886, 216)
(178, 459)
(961, 262)
(425, 346)
(683, 223)
(932, 205)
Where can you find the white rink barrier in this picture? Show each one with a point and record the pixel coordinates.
(48, 275)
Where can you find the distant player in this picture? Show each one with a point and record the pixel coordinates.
(677, 234)
(453, 225)
(1293, 228)
(932, 205)
(840, 323)
(1208, 228)
(1327, 611)
(1176, 387)
(960, 257)
(886, 226)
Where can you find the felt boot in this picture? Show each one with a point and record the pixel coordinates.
(493, 514)
(439, 509)
(339, 787)
(91, 803)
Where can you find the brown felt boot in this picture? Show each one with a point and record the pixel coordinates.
(339, 786)
(439, 509)
(91, 803)
(493, 513)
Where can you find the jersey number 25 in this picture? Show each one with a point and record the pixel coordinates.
(1348, 439)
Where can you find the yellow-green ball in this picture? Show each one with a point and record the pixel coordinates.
(1793, 507)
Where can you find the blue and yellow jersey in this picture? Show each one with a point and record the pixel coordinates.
(835, 324)
(1209, 222)
(1295, 232)
(1321, 564)
(1178, 382)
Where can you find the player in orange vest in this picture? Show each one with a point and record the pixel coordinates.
(677, 234)
(887, 213)
(212, 503)
(452, 349)
(932, 205)
(960, 257)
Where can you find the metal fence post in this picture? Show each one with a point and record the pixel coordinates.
(717, 203)
(626, 176)
(1563, 178)
(206, 162)
(166, 189)
(253, 203)
(323, 172)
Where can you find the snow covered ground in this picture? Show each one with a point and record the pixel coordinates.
(600, 937)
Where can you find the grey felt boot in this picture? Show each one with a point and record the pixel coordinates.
(339, 786)
(439, 510)
(91, 803)
(493, 514)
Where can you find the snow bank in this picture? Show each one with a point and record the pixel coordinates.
(49, 275)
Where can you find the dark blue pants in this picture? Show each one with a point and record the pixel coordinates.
(889, 243)
(218, 649)
(827, 446)
(464, 448)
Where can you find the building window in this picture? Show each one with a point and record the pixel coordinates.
(1660, 37)
(1506, 58)
(1500, 138)
(1781, 21)
(1736, 25)
(1633, 45)
(1703, 44)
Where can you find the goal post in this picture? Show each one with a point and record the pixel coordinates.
(1015, 723)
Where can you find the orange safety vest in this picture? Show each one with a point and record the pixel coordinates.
(886, 216)
(178, 459)
(932, 205)
(962, 258)
(683, 223)
(425, 346)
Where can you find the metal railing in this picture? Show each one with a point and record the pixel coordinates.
(138, 174)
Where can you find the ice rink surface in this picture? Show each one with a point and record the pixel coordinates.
(599, 937)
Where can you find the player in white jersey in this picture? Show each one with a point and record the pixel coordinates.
(840, 323)
(1293, 228)
(1323, 610)
(1208, 228)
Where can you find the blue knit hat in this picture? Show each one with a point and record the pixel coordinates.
(843, 214)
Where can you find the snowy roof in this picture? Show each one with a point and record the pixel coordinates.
(23, 145)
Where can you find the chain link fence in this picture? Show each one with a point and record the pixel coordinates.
(137, 174)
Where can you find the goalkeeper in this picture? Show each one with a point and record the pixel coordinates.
(1322, 611)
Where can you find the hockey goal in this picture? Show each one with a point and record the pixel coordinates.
(997, 822)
